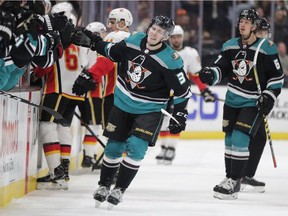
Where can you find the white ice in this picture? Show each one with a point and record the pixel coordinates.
(183, 188)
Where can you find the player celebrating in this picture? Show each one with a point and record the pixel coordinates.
(149, 70)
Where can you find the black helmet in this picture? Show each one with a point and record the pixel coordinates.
(264, 24)
(250, 14)
(164, 22)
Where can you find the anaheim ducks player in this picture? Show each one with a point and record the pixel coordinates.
(192, 65)
(57, 95)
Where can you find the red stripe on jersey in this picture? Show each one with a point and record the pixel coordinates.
(197, 81)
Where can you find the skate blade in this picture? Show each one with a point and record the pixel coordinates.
(252, 189)
(110, 206)
(52, 186)
(167, 162)
(221, 196)
(97, 203)
(160, 161)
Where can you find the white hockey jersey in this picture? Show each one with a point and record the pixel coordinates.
(191, 59)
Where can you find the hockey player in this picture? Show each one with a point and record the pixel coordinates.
(57, 95)
(258, 142)
(192, 65)
(91, 108)
(244, 106)
(149, 70)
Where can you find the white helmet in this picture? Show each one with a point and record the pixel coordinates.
(97, 27)
(178, 30)
(68, 10)
(121, 13)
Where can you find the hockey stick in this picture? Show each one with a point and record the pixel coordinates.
(259, 91)
(198, 94)
(169, 115)
(52, 112)
(90, 130)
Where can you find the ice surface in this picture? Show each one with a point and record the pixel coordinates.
(183, 188)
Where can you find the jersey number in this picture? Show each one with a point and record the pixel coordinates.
(71, 58)
(181, 77)
(277, 65)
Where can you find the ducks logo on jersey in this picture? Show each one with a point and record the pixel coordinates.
(242, 67)
(136, 73)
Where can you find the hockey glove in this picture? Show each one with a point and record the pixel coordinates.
(180, 125)
(66, 34)
(207, 75)
(94, 38)
(207, 95)
(80, 39)
(6, 28)
(84, 83)
(266, 102)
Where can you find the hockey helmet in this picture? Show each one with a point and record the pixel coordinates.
(250, 14)
(264, 24)
(121, 14)
(178, 30)
(97, 27)
(68, 10)
(164, 22)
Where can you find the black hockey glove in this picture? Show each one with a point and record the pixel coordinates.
(53, 39)
(66, 35)
(88, 39)
(80, 39)
(177, 127)
(7, 25)
(84, 83)
(266, 102)
(206, 75)
(207, 95)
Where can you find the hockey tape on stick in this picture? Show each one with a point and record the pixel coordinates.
(259, 91)
(52, 112)
(90, 130)
(169, 115)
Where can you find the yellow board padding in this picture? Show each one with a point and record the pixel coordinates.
(220, 135)
(16, 189)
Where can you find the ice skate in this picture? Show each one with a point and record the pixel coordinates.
(160, 156)
(87, 161)
(250, 184)
(65, 164)
(56, 180)
(220, 184)
(100, 195)
(114, 198)
(228, 190)
(169, 155)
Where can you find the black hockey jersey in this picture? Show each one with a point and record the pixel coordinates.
(236, 63)
(146, 77)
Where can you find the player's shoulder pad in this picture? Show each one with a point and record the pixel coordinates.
(268, 47)
(170, 58)
(135, 39)
(230, 44)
